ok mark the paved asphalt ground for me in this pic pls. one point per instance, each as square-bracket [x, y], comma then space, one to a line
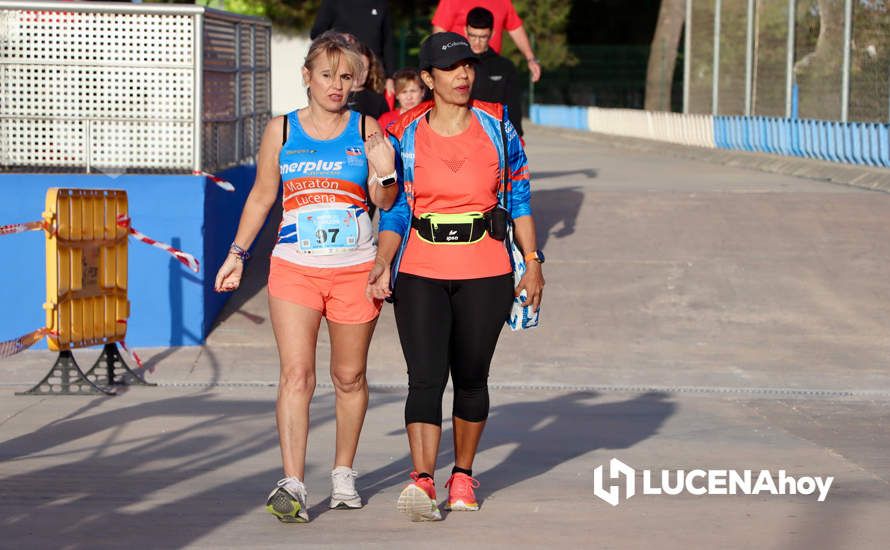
[696, 316]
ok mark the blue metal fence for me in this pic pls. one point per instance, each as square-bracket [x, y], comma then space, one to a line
[863, 143]
[563, 116]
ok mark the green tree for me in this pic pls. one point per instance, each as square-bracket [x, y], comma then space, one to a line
[297, 15]
[545, 21]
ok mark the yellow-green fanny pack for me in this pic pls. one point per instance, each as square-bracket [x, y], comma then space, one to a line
[465, 228]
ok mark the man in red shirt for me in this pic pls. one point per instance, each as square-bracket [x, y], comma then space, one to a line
[451, 16]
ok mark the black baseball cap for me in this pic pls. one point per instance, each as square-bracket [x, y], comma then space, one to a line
[444, 49]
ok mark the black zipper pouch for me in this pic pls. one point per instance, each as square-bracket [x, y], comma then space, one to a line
[498, 219]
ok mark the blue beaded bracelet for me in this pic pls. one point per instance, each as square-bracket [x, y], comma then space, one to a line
[242, 254]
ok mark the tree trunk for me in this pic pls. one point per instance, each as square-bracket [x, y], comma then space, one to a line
[663, 55]
[830, 44]
[818, 73]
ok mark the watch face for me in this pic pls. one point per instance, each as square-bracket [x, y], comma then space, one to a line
[387, 182]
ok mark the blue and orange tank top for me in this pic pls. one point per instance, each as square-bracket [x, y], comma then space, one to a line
[325, 189]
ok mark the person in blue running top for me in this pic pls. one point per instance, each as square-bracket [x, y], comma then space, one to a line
[329, 161]
[444, 239]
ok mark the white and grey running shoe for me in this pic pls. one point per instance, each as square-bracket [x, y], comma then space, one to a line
[343, 493]
[287, 501]
[418, 500]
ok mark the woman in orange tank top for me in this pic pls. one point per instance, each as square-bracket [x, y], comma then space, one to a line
[454, 288]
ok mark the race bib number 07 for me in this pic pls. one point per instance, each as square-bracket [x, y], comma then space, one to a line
[329, 231]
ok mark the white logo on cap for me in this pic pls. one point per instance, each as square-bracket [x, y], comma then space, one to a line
[452, 44]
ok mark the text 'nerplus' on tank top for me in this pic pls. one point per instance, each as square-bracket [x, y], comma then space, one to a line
[325, 222]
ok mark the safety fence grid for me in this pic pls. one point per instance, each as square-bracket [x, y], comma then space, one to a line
[809, 59]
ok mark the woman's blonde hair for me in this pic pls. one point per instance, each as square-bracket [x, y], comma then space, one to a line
[337, 48]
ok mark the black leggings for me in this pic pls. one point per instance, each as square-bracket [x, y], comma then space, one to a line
[449, 325]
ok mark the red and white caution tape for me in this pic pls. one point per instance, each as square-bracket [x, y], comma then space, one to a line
[20, 344]
[184, 257]
[132, 354]
[218, 181]
[135, 357]
[14, 228]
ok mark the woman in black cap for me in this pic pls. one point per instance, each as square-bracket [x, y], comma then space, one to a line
[444, 239]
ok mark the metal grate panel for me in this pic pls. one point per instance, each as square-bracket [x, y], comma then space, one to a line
[219, 144]
[248, 136]
[70, 37]
[149, 145]
[245, 41]
[220, 49]
[263, 58]
[219, 96]
[82, 91]
[42, 142]
[263, 92]
[87, 86]
[247, 90]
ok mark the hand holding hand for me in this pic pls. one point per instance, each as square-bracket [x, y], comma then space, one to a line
[378, 282]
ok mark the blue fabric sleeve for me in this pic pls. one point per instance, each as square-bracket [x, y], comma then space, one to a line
[520, 193]
[398, 218]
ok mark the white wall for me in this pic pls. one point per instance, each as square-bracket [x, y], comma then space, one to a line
[695, 130]
[288, 53]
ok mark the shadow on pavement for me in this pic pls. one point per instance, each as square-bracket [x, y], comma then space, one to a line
[551, 432]
[256, 274]
[180, 276]
[545, 434]
[589, 173]
[150, 366]
[110, 491]
[556, 209]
